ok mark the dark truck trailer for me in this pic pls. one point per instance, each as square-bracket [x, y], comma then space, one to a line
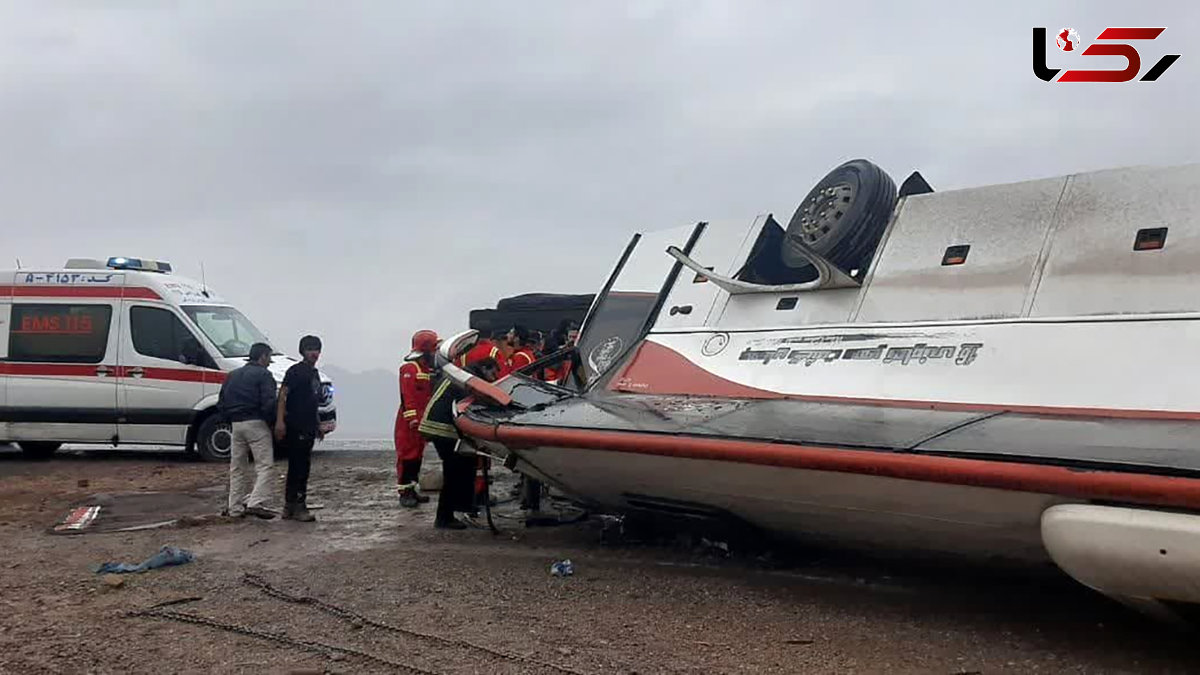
[536, 311]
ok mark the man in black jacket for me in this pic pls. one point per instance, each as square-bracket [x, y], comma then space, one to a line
[297, 426]
[247, 400]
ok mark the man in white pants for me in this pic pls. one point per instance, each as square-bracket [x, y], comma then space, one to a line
[247, 400]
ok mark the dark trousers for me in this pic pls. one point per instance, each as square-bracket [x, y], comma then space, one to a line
[299, 453]
[458, 477]
[410, 471]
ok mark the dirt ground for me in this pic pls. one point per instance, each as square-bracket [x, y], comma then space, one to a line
[471, 602]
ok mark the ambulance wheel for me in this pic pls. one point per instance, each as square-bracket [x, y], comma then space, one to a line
[214, 440]
[39, 449]
[843, 217]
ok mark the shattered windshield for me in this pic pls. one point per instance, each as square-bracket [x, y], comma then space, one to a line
[228, 329]
[530, 394]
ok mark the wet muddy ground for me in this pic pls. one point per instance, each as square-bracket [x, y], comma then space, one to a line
[403, 596]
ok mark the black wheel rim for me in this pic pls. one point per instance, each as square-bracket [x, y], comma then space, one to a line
[823, 209]
[220, 443]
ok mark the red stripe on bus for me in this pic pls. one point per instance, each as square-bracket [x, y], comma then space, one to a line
[656, 369]
[1035, 478]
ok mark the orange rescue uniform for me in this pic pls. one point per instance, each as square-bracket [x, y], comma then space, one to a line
[520, 358]
[416, 389]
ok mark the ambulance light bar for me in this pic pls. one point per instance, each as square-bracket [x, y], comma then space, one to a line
[139, 264]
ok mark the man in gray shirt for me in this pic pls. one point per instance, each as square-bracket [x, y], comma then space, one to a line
[247, 400]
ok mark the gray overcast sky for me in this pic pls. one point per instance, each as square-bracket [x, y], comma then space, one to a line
[365, 169]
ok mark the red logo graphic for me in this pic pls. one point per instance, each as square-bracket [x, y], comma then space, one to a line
[1068, 40]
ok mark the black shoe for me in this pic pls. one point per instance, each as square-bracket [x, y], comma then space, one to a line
[408, 499]
[451, 525]
[422, 499]
[298, 512]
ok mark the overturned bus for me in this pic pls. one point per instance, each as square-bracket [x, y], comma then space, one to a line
[1006, 370]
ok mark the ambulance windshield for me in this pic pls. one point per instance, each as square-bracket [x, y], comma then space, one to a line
[228, 329]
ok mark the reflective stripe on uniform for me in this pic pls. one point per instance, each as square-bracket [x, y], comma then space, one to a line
[432, 428]
[410, 413]
[428, 428]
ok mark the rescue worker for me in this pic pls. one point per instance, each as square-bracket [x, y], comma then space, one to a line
[437, 424]
[555, 343]
[521, 342]
[493, 350]
[416, 388]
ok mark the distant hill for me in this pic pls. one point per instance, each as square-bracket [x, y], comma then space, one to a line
[366, 402]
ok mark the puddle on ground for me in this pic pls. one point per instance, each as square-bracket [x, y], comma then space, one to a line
[130, 511]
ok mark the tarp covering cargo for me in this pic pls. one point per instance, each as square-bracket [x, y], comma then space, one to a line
[537, 311]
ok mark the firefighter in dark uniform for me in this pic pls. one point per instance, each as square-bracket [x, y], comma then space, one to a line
[437, 424]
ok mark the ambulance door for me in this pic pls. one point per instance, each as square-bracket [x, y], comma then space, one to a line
[60, 361]
[162, 374]
[5, 313]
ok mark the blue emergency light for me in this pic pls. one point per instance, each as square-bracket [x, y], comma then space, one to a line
[119, 263]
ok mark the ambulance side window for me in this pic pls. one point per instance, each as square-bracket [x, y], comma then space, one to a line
[158, 333]
[59, 333]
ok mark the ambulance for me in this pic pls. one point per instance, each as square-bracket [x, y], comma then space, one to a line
[122, 352]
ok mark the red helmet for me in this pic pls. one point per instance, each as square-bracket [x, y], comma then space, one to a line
[423, 342]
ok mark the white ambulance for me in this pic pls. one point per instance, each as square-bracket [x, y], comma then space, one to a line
[121, 353]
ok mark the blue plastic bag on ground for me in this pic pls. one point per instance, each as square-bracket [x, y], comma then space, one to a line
[166, 556]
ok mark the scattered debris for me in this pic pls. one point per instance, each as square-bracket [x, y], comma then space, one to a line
[166, 556]
[566, 651]
[562, 568]
[798, 641]
[147, 526]
[78, 519]
[258, 541]
[82, 482]
[113, 580]
[176, 601]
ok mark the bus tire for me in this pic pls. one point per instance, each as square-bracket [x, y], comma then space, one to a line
[843, 217]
